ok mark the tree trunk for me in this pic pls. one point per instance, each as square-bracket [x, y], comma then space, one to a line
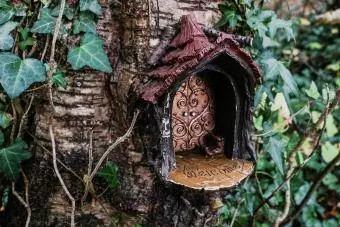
[97, 102]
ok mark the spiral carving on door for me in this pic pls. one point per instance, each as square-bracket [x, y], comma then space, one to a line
[192, 114]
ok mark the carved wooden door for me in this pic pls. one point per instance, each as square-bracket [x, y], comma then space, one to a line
[192, 114]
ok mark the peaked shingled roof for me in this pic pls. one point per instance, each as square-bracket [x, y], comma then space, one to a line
[192, 47]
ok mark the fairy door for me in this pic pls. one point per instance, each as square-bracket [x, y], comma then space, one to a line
[192, 114]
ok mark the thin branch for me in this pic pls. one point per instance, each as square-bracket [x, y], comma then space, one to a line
[24, 202]
[33, 49]
[53, 66]
[114, 145]
[312, 189]
[15, 119]
[56, 170]
[236, 213]
[50, 153]
[321, 119]
[88, 178]
[89, 170]
[36, 88]
[285, 212]
[23, 118]
[45, 48]
[56, 30]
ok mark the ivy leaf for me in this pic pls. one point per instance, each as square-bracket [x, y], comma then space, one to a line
[6, 13]
[17, 75]
[312, 91]
[23, 33]
[85, 23]
[110, 173]
[276, 24]
[46, 23]
[90, 53]
[229, 16]
[268, 42]
[6, 40]
[68, 11]
[276, 68]
[5, 120]
[331, 126]
[11, 157]
[28, 42]
[90, 5]
[330, 151]
[3, 3]
[275, 147]
[58, 79]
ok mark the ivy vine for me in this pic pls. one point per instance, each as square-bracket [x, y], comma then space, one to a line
[23, 24]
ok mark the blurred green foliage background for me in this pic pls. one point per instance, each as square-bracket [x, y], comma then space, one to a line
[296, 114]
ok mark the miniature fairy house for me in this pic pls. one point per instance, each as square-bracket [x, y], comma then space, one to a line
[197, 109]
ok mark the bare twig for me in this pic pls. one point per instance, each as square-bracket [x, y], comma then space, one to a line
[114, 145]
[33, 49]
[286, 207]
[312, 189]
[50, 153]
[36, 88]
[312, 131]
[88, 178]
[59, 176]
[23, 118]
[45, 48]
[24, 202]
[53, 66]
[236, 213]
[15, 119]
[89, 169]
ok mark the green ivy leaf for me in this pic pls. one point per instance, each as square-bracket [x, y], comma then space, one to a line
[17, 75]
[3, 3]
[331, 127]
[5, 120]
[90, 53]
[46, 23]
[332, 182]
[11, 157]
[268, 42]
[276, 24]
[6, 13]
[276, 68]
[90, 5]
[275, 147]
[229, 16]
[23, 33]
[68, 11]
[85, 23]
[330, 151]
[58, 79]
[28, 42]
[312, 91]
[110, 173]
[6, 40]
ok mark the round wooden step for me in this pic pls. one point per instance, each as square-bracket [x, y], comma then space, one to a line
[209, 173]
